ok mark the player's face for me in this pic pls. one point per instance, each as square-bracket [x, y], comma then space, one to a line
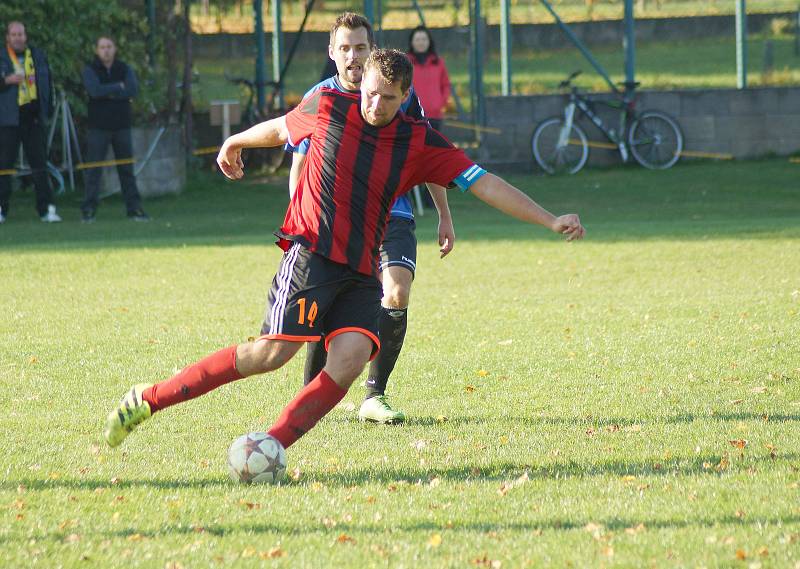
[380, 100]
[16, 37]
[350, 50]
[105, 50]
[420, 42]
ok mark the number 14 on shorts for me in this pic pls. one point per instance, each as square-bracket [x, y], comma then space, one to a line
[310, 316]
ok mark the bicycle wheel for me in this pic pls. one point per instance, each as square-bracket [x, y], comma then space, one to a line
[655, 140]
[558, 152]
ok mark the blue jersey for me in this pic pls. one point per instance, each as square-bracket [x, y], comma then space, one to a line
[412, 108]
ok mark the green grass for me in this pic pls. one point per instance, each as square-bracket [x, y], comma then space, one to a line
[659, 65]
[399, 14]
[569, 404]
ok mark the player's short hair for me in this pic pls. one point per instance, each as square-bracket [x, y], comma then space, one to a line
[104, 37]
[393, 65]
[352, 21]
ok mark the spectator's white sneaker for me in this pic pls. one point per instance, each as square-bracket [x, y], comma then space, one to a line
[2, 217]
[51, 216]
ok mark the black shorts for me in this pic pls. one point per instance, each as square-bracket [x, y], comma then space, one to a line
[399, 247]
[312, 296]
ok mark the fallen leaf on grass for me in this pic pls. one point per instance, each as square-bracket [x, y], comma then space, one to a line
[508, 486]
[435, 540]
[248, 552]
[760, 389]
[250, 505]
[738, 443]
[763, 552]
[486, 562]
[741, 554]
[344, 538]
[273, 553]
[72, 538]
[635, 529]
[736, 401]
[505, 342]
[469, 388]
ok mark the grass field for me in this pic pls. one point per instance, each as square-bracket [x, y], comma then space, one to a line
[631, 400]
[659, 65]
[399, 14]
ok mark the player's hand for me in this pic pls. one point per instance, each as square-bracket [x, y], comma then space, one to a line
[230, 162]
[569, 225]
[15, 79]
[447, 236]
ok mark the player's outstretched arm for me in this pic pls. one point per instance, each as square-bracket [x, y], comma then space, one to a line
[447, 233]
[503, 196]
[263, 135]
[298, 160]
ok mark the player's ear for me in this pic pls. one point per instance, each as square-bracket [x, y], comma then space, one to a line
[406, 95]
[330, 51]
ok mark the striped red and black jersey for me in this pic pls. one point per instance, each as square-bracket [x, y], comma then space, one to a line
[353, 173]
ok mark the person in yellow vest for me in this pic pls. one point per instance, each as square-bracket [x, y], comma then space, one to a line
[25, 107]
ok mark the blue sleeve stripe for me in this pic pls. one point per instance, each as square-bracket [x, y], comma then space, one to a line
[469, 177]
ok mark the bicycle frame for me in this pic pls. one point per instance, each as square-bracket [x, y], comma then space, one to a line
[617, 137]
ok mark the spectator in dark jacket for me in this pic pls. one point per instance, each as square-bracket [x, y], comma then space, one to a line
[25, 107]
[111, 85]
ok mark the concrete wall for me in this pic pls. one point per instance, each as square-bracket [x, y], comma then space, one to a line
[531, 36]
[747, 123]
[164, 173]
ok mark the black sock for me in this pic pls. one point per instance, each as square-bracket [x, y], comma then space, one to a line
[392, 331]
[316, 356]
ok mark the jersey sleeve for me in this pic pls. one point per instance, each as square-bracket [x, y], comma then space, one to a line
[302, 119]
[442, 163]
[413, 107]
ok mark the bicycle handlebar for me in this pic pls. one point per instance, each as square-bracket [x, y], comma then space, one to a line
[566, 82]
[250, 83]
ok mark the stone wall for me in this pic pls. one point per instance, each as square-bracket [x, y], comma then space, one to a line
[743, 123]
[164, 173]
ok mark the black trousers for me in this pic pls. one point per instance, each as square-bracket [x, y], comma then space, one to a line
[122, 144]
[31, 133]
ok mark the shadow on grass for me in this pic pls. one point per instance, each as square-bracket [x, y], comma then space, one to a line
[605, 422]
[711, 465]
[608, 524]
[750, 200]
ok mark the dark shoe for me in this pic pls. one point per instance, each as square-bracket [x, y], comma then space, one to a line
[88, 216]
[138, 215]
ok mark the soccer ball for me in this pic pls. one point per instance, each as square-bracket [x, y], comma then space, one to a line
[256, 458]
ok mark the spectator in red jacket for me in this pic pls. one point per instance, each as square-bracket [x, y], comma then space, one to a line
[431, 82]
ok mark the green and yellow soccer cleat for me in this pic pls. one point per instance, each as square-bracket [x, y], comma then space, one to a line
[131, 411]
[377, 410]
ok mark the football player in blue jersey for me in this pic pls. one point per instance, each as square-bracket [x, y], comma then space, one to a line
[351, 41]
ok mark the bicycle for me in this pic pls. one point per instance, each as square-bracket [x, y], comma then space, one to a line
[269, 158]
[652, 137]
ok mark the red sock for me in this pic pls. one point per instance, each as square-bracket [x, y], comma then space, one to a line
[313, 402]
[195, 380]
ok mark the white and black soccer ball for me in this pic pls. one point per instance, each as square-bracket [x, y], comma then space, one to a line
[257, 458]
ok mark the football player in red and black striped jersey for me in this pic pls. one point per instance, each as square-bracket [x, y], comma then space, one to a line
[363, 154]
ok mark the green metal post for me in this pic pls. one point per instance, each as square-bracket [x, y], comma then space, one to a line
[741, 44]
[260, 50]
[378, 22]
[505, 48]
[151, 33]
[369, 10]
[579, 44]
[476, 36]
[629, 45]
[277, 51]
[419, 12]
